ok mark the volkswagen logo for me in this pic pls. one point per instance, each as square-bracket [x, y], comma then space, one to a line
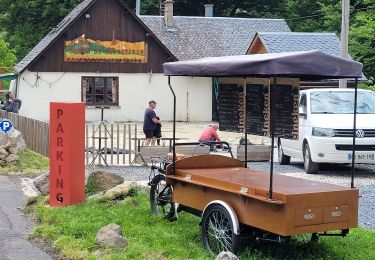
[360, 133]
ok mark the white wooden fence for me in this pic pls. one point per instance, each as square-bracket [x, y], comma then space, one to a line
[110, 143]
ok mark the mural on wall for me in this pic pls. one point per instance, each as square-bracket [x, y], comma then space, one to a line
[88, 50]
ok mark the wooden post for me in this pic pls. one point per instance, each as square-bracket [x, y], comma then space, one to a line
[124, 144]
[106, 144]
[130, 143]
[111, 144]
[135, 139]
[87, 144]
[100, 144]
[118, 143]
[93, 142]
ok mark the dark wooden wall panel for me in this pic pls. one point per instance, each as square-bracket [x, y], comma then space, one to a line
[108, 18]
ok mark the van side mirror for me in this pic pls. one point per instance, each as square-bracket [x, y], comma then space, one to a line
[302, 112]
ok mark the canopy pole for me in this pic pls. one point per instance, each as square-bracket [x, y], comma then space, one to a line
[272, 134]
[174, 125]
[354, 131]
[244, 114]
[245, 148]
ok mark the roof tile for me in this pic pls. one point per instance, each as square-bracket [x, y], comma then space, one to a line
[199, 37]
[296, 41]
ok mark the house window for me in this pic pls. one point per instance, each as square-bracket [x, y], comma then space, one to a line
[100, 91]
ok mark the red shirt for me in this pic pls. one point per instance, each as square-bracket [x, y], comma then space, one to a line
[209, 133]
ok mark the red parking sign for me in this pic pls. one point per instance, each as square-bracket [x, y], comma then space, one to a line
[67, 149]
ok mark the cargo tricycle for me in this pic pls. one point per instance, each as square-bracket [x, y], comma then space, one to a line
[233, 200]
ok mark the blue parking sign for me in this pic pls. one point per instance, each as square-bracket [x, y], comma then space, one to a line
[6, 126]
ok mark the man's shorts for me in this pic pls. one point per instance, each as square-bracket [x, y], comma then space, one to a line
[150, 133]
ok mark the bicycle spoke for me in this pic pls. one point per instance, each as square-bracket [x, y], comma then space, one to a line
[219, 232]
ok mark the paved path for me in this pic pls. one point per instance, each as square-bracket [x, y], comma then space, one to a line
[14, 227]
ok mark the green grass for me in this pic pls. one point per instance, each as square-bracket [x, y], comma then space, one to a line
[72, 231]
[30, 162]
[90, 187]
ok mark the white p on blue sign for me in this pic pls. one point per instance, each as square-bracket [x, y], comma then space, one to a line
[6, 126]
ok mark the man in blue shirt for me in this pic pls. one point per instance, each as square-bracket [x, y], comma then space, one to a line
[149, 123]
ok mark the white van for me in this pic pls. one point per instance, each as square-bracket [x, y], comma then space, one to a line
[326, 129]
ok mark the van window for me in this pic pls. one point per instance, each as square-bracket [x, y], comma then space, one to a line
[342, 102]
[303, 103]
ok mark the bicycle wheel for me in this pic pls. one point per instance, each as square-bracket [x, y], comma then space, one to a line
[218, 230]
[161, 197]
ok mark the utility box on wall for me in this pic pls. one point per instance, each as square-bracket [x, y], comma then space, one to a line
[67, 150]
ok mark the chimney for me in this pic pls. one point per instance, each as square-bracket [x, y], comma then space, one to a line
[138, 7]
[168, 13]
[208, 10]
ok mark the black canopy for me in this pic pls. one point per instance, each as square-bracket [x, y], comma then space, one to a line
[304, 65]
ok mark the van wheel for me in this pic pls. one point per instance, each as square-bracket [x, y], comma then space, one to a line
[283, 159]
[310, 166]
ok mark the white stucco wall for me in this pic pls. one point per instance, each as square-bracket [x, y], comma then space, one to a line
[194, 95]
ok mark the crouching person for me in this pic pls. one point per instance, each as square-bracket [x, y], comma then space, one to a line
[12, 104]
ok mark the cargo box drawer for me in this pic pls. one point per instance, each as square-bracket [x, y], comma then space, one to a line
[308, 216]
[336, 214]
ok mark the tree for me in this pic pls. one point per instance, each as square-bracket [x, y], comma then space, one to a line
[26, 22]
[362, 41]
[325, 16]
[7, 61]
[7, 57]
[231, 8]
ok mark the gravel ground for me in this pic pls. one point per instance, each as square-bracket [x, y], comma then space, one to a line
[334, 174]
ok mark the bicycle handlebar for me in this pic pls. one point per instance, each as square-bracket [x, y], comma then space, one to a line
[206, 143]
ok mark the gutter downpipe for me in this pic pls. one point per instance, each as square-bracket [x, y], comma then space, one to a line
[354, 131]
[174, 125]
[17, 84]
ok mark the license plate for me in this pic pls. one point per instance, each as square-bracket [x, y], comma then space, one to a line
[362, 157]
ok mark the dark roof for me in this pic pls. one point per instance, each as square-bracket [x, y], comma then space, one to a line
[52, 35]
[199, 37]
[191, 37]
[275, 42]
[61, 27]
[302, 64]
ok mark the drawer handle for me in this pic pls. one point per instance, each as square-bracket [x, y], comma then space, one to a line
[336, 213]
[309, 216]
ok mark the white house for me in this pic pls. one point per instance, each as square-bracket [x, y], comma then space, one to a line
[103, 54]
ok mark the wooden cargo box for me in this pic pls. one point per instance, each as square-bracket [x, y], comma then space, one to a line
[298, 206]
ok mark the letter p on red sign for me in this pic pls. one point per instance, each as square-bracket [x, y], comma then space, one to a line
[67, 151]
